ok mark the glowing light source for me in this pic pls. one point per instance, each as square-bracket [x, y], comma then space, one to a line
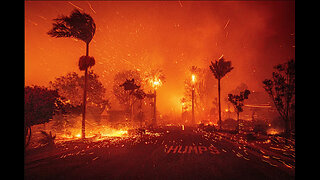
[193, 77]
[155, 82]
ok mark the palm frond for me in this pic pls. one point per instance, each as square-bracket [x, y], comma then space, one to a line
[220, 68]
[78, 25]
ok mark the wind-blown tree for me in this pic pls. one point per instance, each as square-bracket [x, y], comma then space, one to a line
[281, 89]
[80, 26]
[237, 102]
[219, 69]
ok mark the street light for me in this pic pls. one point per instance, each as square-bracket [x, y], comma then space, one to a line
[156, 82]
[193, 80]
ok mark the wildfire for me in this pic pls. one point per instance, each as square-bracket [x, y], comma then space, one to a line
[273, 131]
[115, 133]
[99, 133]
[156, 82]
[155, 78]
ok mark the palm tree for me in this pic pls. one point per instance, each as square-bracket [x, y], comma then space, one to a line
[80, 26]
[220, 69]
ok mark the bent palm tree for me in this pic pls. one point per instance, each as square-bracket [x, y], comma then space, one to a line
[80, 26]
[220, 69]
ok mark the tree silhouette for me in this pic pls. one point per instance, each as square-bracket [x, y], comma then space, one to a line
[129, 85]
[281, 89]
[124, 97]
[135, 91]
[80, 26]
[40, 105]
[220, 69]
[237, 101]
[71, 84]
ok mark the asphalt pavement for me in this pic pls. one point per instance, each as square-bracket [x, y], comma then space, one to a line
[169, 153]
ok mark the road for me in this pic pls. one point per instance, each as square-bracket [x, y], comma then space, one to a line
[171, 153]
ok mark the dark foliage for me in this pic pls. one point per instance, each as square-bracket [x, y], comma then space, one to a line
[237, 100]
[78, 25]
[129, 85]
[281, 89]
[86, 62]
[39, 105]
[220, 68]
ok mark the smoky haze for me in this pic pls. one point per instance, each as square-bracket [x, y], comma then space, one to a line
[172, 36]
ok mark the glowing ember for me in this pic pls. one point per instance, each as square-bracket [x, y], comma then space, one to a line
[98, 134]
[273, 131]
[115, 133]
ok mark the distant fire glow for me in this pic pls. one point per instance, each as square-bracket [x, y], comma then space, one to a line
[172, 36]
[147, 90]
[155, 82]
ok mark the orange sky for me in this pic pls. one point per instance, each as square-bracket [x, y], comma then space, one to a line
[171, 36]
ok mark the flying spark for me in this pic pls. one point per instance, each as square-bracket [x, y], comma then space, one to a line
[226, 24]
[92, 8]
[75, 6]
[180, 3]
